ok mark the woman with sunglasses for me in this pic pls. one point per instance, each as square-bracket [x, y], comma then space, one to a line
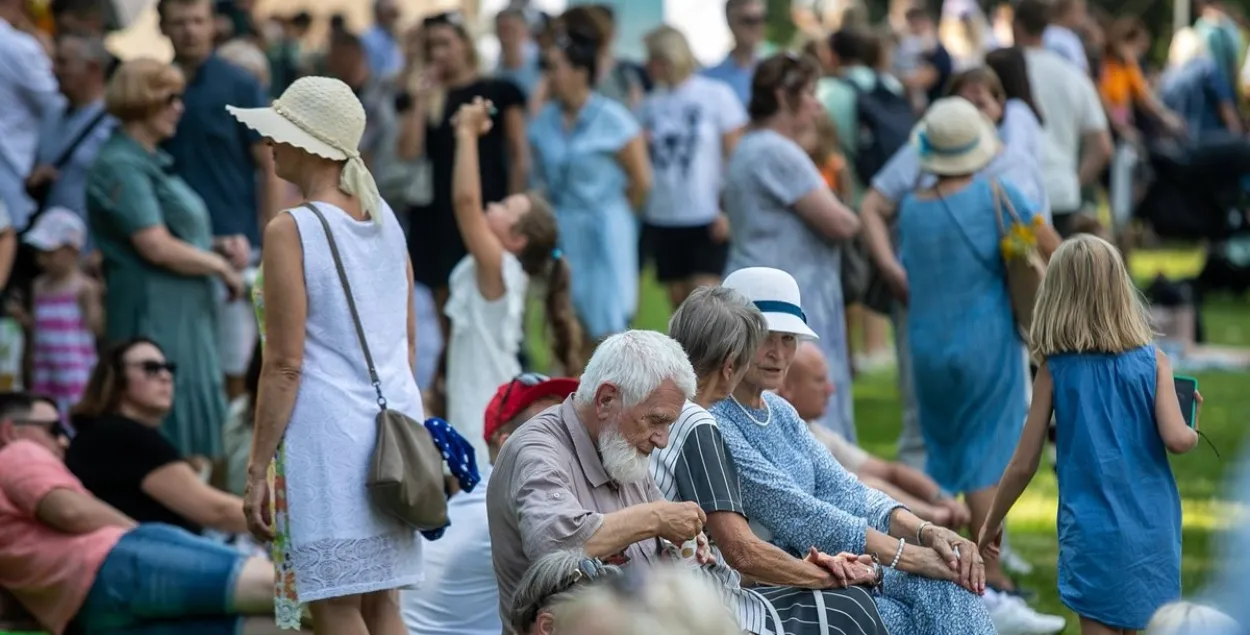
[121, 456]
[161, 263]
[450, 80]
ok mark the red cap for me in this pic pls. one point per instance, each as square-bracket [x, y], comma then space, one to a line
[515, 396]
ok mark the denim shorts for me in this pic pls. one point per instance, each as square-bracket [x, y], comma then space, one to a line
[162, 580]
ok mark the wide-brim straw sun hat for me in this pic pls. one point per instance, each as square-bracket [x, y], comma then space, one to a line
[776, 294]
[321, 116]
[954, 138]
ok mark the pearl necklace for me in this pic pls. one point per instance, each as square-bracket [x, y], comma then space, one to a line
[768, 417]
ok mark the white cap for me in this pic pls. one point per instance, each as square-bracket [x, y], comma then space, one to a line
[776, 295]
[55, 228]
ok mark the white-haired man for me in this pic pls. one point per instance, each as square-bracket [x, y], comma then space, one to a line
[578, 476]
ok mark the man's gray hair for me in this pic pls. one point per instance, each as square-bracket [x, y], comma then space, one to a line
[636, 362]
[716, 325]
[552, 579]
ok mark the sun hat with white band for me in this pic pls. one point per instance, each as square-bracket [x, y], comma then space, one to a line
[776, 294]
[954, 138]
[321, 116]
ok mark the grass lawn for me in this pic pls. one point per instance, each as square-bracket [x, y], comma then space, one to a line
[1031, 526]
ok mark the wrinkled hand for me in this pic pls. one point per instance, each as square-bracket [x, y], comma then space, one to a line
[474, 117]
[961, 555]
[256, 508]
[679, 522]
[847, 569]
[930, 564]
[704, 555]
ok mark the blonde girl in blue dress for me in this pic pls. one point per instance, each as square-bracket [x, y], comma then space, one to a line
[1116, 419]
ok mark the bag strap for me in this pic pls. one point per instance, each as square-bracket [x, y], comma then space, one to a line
[351, 303]
[69, 150]
[963, 233]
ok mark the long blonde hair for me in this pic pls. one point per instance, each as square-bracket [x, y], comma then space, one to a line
[1087, 303]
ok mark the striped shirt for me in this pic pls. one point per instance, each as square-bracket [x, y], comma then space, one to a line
[695, 467]
[64, 350]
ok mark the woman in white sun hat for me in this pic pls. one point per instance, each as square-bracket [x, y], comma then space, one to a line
[967, 364]
[798, 497]
[315, 414]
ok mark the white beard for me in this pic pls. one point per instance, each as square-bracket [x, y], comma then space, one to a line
[621, 460]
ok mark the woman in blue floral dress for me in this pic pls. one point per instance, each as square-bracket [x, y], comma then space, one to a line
[799, 497]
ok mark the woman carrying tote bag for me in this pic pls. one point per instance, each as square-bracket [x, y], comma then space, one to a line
[317, 413]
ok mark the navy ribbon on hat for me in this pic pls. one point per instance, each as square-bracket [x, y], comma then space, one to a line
[926, 147]
[777, 306]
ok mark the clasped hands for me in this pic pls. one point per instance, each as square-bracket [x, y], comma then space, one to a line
[847, 569]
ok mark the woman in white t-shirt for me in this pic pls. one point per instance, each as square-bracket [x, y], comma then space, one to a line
[692, 123]
[511, 241]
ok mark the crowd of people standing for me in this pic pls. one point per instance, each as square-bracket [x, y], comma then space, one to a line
[189, 389]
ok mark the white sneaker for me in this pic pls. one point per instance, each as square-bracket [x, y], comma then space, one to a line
[1011, 616]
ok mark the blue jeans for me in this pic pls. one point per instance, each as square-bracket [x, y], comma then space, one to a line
[162, 580]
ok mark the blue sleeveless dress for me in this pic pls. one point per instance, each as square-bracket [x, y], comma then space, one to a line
[1119, 510]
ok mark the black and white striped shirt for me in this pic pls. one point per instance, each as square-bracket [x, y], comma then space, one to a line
[695, 467]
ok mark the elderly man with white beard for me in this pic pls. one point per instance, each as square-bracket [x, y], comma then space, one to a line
[577, 476]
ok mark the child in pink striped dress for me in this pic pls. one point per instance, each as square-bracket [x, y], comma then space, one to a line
[68, 314]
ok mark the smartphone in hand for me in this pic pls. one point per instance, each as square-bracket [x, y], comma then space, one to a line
[1185, 389]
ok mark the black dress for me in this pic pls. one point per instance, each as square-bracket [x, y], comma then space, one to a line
[434, 238]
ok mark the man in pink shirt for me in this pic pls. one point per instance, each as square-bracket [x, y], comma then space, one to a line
[78, 564]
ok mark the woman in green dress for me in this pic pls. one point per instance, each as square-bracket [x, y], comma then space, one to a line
[160, 266]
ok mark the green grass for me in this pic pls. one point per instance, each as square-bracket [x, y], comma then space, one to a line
[1031, 526]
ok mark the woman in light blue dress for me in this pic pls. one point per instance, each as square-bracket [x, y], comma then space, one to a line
[967, 369]
[783, 215]
[591, 159]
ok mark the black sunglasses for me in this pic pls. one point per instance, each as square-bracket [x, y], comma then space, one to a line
[152, 368]
[55, 427]
[525, 379]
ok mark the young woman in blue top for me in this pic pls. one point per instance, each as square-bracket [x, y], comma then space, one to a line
[1116, 418]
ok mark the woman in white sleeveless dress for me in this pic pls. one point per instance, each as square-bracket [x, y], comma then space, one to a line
[317, 406]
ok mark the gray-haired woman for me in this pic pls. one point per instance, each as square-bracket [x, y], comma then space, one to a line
[549, 583]
[720, 329]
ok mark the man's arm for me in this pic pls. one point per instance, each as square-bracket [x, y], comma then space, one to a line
[908, 479]
[78, 513]
[1096, 145]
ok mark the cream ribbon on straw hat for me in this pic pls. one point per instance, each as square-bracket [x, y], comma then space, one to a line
[321, 116]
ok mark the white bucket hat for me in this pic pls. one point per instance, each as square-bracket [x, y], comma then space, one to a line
[954, 138]
[321, 116]
[776, 295]
[55, 228]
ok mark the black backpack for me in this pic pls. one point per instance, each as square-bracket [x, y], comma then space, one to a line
[885, 119]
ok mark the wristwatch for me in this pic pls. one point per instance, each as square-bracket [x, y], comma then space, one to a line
[878, 571]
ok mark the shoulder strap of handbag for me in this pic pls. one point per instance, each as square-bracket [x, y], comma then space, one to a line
[963, 233]
[351, 303]
[69, 150]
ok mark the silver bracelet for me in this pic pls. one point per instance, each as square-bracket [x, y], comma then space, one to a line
[920, 532]
[898, 555]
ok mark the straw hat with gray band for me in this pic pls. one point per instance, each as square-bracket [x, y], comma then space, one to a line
[954, 138]
[321, 116]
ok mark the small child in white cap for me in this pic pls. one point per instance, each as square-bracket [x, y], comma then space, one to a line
[67, 309]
